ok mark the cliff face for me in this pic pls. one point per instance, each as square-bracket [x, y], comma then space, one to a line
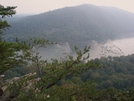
[12, 88]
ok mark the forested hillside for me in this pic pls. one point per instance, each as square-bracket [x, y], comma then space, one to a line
[118, 72]
[71, 24]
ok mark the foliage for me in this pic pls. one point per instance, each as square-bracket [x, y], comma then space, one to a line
[118, 72]
[18, 71]
[5, 11]
[8, 51]
[11, 54]
[54, 76]
[58, 80]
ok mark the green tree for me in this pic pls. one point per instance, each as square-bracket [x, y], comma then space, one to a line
[54, 78]
[5, 12]
[9, 52]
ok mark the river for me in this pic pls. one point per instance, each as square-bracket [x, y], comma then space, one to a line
[110, 48]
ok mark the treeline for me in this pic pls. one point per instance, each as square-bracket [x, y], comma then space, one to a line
[117, 72]
[113, 81]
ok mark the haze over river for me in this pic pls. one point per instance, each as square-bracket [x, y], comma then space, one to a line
[110, 48]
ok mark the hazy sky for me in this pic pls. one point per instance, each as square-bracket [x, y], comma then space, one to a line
[40, 6]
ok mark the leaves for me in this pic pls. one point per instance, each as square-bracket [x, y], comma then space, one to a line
[5, 12]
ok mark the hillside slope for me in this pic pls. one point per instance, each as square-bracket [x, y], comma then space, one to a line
[84, 22]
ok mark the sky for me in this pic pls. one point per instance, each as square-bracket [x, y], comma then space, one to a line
[40, 6]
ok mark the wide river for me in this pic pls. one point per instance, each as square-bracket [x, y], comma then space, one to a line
[110, 48]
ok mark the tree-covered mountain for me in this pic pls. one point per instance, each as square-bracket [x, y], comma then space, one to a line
[84, 22]
[16, 17]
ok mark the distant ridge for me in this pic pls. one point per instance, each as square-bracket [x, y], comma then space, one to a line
[78, 23]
